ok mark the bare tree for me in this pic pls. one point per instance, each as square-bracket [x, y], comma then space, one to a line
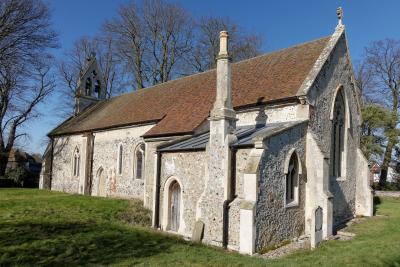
[206, 47]
[74, 63]
[152, 39]
[382, 63]
[158, 41]
[364, 79]
[127, 28]
[25, 76]
[169, 36]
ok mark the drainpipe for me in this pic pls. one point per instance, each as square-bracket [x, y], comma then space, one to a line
[157, 195]
[88, 185]
[51, 161]
[228, 201]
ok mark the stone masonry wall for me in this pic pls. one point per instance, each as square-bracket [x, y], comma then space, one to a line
[274, 221]
[337, 71]
[234, 207]
[188, 168]
[63, 178]
[106, 147]
[273, 114]
[105, 154]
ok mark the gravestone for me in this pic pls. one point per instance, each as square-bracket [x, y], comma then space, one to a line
[198, 230]
[316, 234]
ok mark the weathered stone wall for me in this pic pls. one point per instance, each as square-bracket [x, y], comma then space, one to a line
[337, 71]
[242, 156]
[272, 113]
[234, 207]
[63, 178]
[105, 156]
[188, 168]
[274, 221]
[150, 169]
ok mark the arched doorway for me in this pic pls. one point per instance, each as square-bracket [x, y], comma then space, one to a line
[101, 186]
[174, 206]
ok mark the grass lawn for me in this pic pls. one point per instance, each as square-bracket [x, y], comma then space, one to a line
[56, 229]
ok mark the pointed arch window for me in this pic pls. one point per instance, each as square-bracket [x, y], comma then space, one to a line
[139, 161]
[88, 86]
[338, 136]
[292, 172]
[76, 162]
[97, 87]
[120, 159]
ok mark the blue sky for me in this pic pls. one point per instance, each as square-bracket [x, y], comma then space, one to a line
[280, 23]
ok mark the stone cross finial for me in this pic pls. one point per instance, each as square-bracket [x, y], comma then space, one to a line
[339, 13]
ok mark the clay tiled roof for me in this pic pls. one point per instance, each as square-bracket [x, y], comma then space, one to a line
[179, 106]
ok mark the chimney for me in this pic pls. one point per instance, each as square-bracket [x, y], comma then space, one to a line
[223, 101]
[213, 211]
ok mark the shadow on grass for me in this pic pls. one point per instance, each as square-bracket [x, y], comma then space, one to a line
[377, 202]
[68, 243]
[395, 262]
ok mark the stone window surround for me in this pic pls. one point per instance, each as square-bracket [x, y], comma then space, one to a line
[295, 202]
[100, 171]
[340, 88]
[134, 165]
[120, 156]
[76, 162]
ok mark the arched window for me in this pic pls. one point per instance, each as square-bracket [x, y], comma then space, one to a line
[76, 162]
[97, 87]
[338, 135]
[88, 86]
[120, 159]
[292, 180]
[139, 161]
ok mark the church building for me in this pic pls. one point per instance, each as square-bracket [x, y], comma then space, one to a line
[244, 156]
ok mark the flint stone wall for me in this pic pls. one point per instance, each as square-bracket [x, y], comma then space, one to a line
[274, 221]
[63, 178]
[188, 168]
[337, 71]
[105, 156]
[234, 207]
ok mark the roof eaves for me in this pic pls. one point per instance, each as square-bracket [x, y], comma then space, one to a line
[111, 127]
[268, 133]
[168, 134]
[80, 116]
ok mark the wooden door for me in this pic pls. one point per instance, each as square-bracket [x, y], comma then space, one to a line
[175, 199]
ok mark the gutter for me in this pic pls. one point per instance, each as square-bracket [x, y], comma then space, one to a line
[100, 129]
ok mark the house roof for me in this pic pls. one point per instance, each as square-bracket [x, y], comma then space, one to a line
[181, 105]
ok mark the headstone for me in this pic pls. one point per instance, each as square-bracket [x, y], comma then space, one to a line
[198, 230]
[316, 235]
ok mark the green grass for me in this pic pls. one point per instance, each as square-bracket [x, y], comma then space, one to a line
[56, 229]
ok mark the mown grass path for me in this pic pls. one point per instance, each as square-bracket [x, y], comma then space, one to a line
[41, 228]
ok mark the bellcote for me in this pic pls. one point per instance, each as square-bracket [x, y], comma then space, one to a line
[90, 86]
